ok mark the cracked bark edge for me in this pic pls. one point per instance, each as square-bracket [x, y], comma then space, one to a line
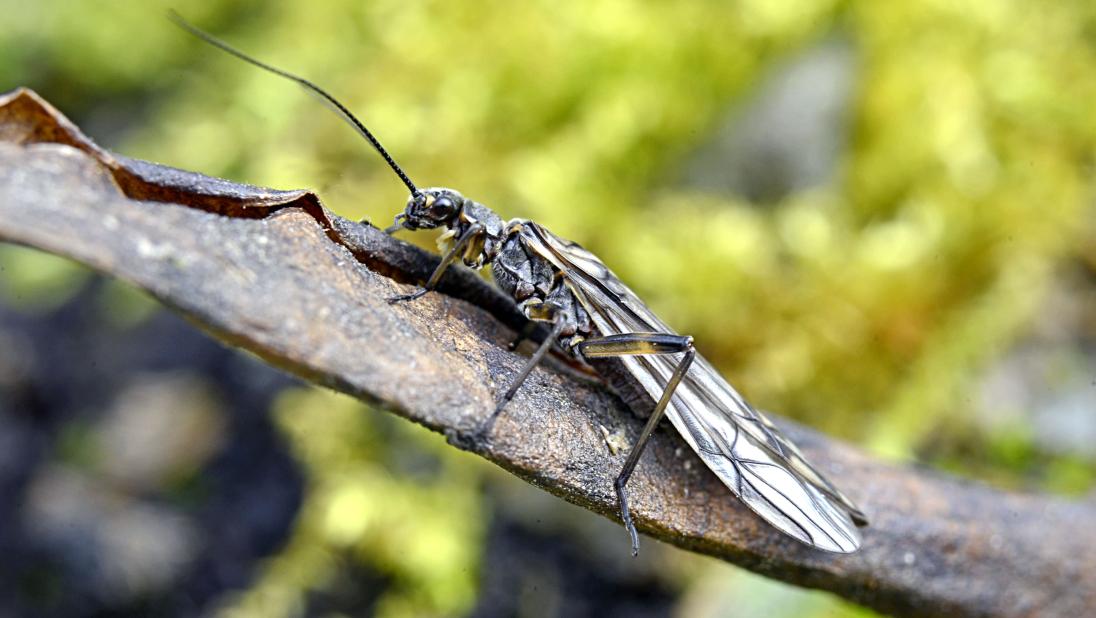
[275, 273]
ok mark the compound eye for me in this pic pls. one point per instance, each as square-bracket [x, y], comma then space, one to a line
[442, 207]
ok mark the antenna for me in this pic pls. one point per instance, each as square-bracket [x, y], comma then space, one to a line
[337, 107]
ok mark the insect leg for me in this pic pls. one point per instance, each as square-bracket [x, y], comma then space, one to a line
[549, 312]
[637, 344]
[526, 333]
[451, 255]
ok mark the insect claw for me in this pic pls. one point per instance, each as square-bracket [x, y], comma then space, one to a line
[405, 297]
[481, 434]
[632, 533]
[626, 518]
[489, 424]
[498, 410]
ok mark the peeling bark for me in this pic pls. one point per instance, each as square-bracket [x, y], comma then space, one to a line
[275, 273]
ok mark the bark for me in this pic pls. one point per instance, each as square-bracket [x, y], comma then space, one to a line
[275, 273]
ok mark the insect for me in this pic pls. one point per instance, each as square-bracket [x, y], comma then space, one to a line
[594, 315]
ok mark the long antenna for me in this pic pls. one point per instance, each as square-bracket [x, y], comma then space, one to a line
[337, 107]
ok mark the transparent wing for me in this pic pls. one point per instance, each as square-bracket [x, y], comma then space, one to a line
[762, 467]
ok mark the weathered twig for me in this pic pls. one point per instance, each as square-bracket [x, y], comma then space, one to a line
[275, 273]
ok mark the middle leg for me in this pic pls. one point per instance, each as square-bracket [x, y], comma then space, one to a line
[542, 312]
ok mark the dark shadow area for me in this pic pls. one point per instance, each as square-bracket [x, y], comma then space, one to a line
[98, 516]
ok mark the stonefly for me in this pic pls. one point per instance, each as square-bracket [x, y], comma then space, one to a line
[593, 315]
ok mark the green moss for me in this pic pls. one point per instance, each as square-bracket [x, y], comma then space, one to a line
[868, 305]
[423, 535]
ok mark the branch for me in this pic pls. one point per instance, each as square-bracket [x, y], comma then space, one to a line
[277, 274]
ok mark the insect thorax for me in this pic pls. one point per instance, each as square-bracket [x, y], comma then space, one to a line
[536, 284]
[518, 268]
[483, 248]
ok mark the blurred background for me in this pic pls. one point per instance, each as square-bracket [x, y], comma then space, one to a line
[875, 218]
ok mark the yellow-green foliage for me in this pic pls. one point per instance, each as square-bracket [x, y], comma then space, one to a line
[380, 492]
[866, 305]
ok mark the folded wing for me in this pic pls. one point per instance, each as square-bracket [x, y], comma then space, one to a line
[762, 467]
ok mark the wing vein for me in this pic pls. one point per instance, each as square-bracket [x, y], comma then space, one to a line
[731, 437]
